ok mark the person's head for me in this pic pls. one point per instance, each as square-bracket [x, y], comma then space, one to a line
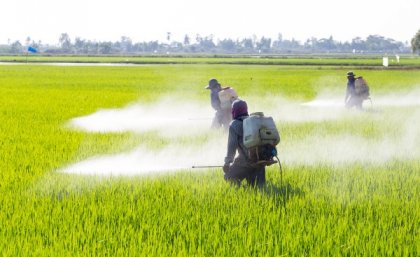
[213, 84]
[350, 75]
[239, 108]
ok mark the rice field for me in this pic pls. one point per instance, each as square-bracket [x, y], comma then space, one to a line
[351, 180]
[406, 61]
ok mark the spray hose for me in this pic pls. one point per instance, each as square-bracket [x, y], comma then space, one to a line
[274, 154]
[281, 171]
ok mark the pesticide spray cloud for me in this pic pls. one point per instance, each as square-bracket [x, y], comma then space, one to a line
[143, 161]
[175, 119]
[293, 112]
[347, 148]
[171, 118]
[398, 110]
[401, 99]
[168, 117]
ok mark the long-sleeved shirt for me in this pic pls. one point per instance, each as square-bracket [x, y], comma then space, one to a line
[235, 142]
[214, 98]
[351, 89]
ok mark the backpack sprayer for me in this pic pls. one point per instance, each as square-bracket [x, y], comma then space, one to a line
[362, 89]
[260, 137]
[226, 96]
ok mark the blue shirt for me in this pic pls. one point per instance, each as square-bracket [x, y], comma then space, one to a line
[214, 98]
[351, 89]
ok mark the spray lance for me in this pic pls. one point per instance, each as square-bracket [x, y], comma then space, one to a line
[206, 167]
[267, 163]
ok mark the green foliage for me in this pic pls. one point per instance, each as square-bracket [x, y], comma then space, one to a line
[321, 210]
[415, 42]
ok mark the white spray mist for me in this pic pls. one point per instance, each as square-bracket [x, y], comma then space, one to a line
[176, 119]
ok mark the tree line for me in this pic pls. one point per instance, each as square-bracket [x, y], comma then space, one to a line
[208, 45]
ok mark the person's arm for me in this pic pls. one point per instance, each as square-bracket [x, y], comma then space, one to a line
[215, 101]
[231, 146]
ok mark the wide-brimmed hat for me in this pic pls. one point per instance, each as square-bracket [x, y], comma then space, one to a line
[350, 74]
[212, 84]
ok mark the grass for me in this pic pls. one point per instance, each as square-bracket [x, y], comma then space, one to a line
[406, 61]
[356, 209]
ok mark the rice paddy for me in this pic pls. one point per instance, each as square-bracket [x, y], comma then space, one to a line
[351, 180]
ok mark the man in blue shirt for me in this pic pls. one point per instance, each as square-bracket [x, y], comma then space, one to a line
[352, 99]
[222, 117]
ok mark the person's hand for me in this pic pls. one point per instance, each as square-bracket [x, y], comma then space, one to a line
[226, 168]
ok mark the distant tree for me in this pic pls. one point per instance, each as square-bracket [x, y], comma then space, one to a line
[277, 44]
[377, 43]
[207, 43]
[264, 44]
[35, 44]
[310, 44]
[79, 44]
[198, 38]
[86, 46]
[105, 47]
[227, 45]
[28, 41]
[151, 46]
[94, 47]
[280, 37]
[290, 45]
[65, 41]
[415, 43]
[126, 44]
[358, 44]
[16, 47]
[186, 40]
[247, 43]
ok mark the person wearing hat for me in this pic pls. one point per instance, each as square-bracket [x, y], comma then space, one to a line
[352, 99]
[240, 168]
[222, 116]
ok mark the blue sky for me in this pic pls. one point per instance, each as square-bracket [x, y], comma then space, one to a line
[108, 20]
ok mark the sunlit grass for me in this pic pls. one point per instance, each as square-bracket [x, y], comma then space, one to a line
[357, 209]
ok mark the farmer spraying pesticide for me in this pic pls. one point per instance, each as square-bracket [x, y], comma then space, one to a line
[221, 101]
[254, 137]
[357, 91]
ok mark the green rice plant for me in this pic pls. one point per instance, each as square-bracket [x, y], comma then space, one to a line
[365, 207]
